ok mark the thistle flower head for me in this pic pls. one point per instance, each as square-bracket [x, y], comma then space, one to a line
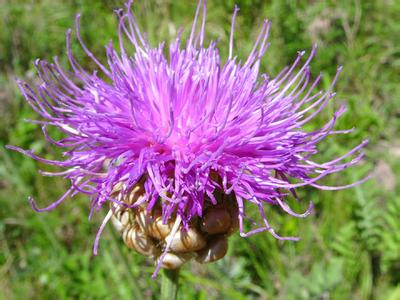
[186, 124]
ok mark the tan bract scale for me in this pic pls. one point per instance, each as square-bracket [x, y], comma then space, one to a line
[152, 224]
[174, 261]
[135, 239]
[187, 241]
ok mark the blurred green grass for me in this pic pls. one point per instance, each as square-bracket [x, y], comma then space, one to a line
[349, 249]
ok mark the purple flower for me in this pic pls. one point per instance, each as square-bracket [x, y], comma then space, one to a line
[185, 123]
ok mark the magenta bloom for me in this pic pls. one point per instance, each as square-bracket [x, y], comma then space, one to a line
[178, 118]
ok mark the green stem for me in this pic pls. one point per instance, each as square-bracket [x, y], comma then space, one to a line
[169, 284]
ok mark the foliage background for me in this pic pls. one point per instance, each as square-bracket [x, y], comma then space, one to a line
[350, 246]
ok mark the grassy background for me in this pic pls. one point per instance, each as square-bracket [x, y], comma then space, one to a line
[350, 247]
